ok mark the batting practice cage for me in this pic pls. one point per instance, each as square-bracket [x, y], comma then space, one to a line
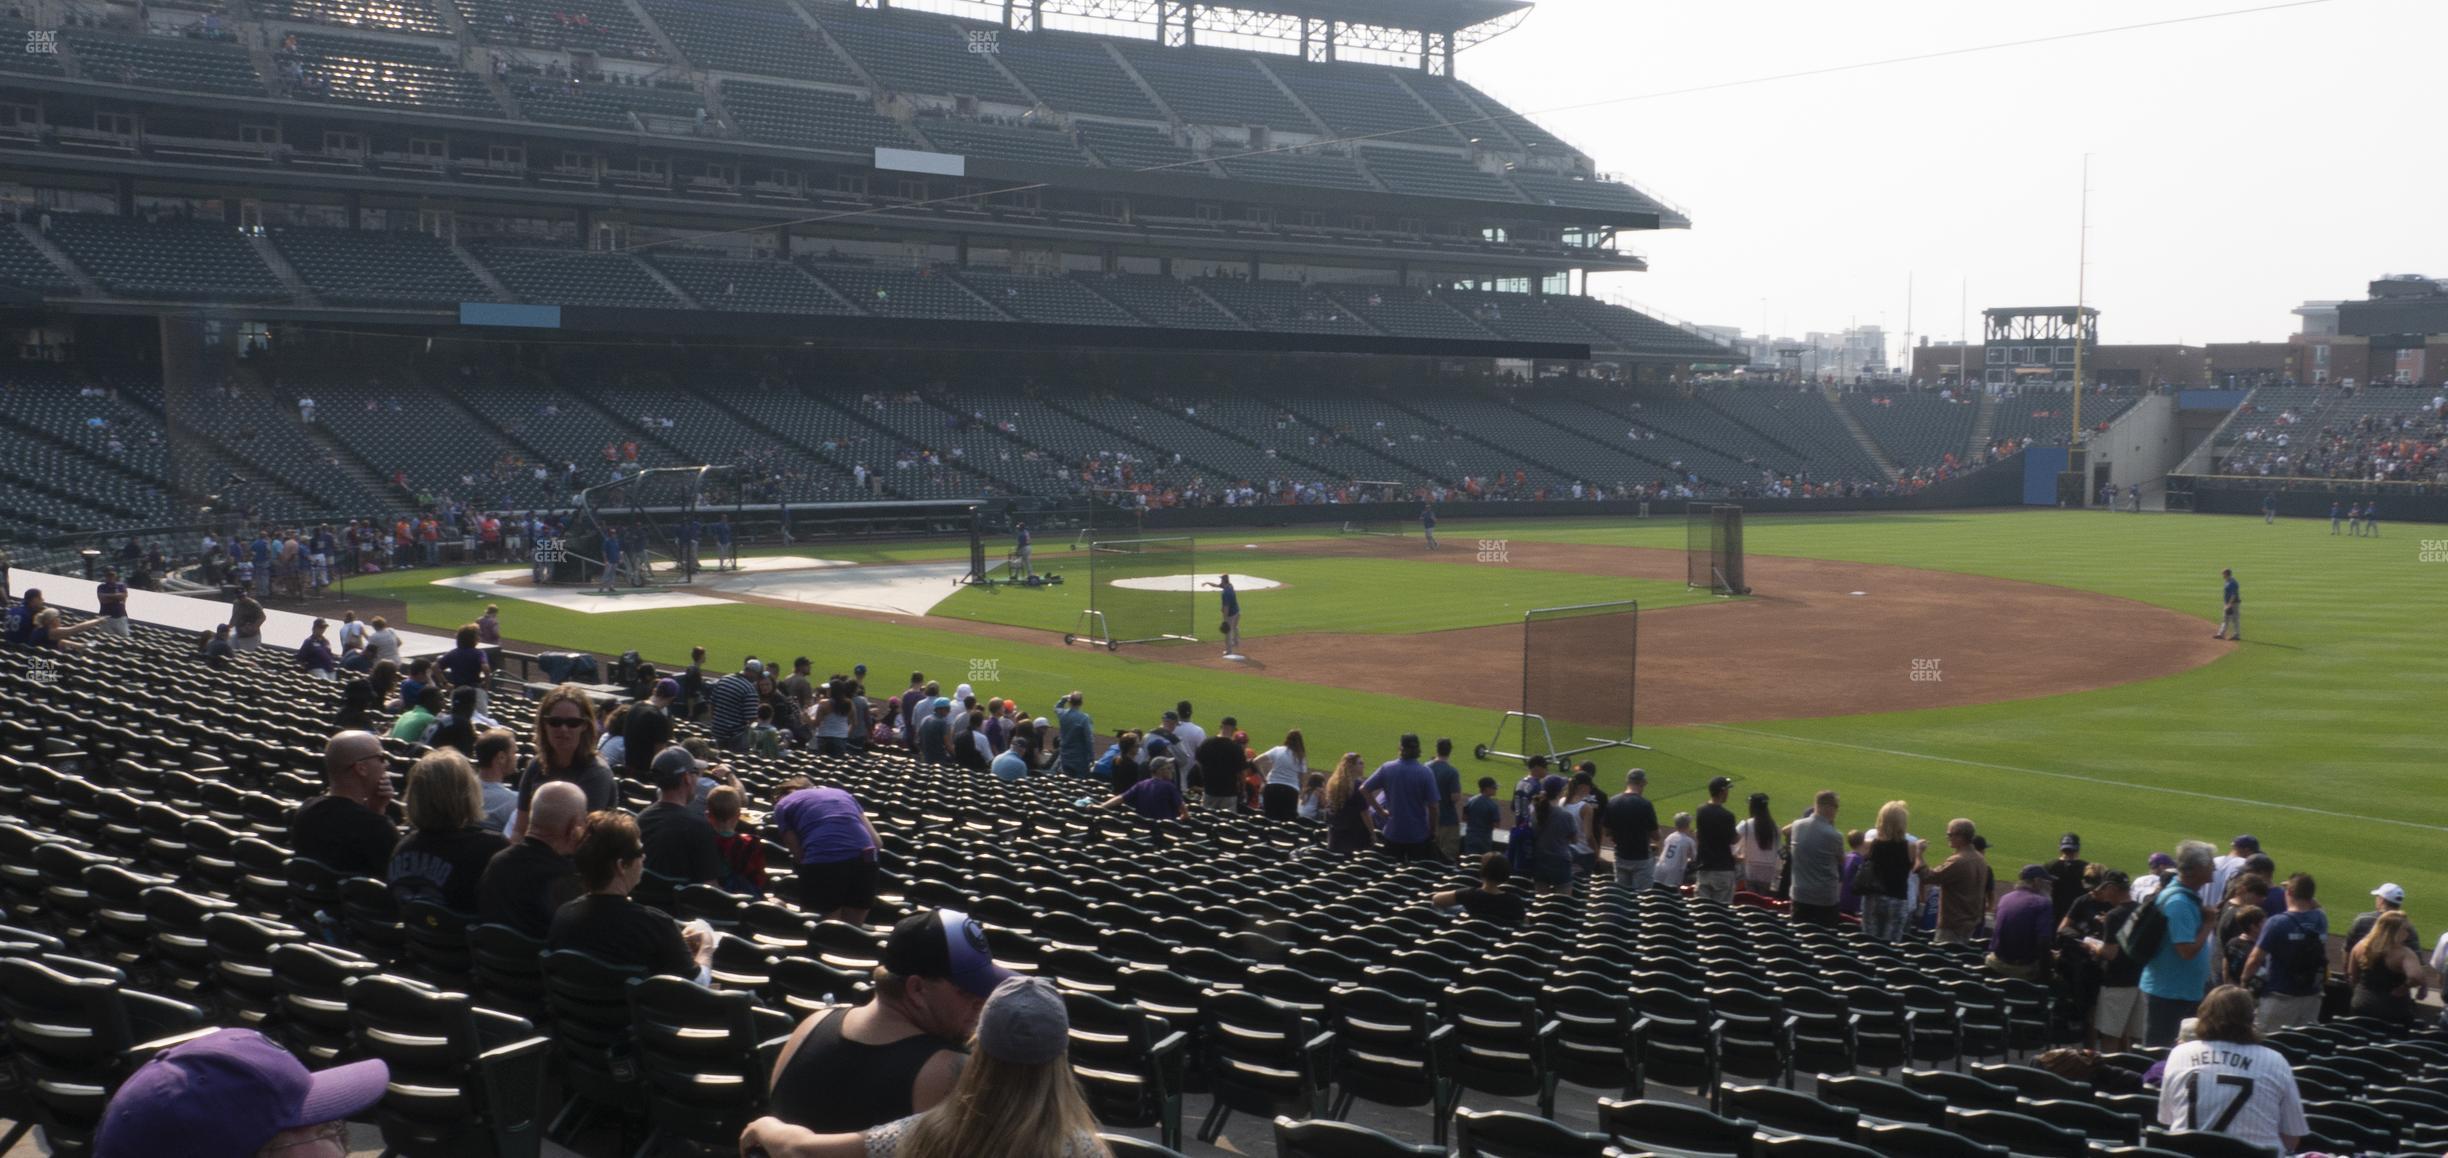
[1579, 669]
[1140, 591]
[1714, 548]
[663, 521]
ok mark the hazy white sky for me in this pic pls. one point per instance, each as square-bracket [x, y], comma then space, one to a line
[2239, 166]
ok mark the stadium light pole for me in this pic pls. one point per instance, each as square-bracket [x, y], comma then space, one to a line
[2082, 270]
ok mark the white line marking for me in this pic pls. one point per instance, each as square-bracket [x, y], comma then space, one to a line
[2076, 776]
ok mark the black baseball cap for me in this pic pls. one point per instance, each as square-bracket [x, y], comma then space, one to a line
[1720, 783]
[944, 945]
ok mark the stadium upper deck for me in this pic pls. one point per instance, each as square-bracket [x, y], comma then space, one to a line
[627, 122]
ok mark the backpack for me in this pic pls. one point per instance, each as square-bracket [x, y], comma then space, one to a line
[2145, 933]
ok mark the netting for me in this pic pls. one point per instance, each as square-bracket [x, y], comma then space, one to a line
[1579, 668]
[663, 534]
[1713, 548]
[1143, 590]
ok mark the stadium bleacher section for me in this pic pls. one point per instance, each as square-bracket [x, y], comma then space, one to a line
[167, 62]
[1401, 310]
[361, 70]
[165, 258]
[1211, 87]
[1074, 73]
[810, 118]
[22, 264]
[2373, 433]
[1918, 428]
[569, 101]
[917, 53]
[601, 26]
[1008, 142]
[1359, 101]
[1136, 147]
[1281, 305]
[416, 17]
[364, 267]
[1325, 170]
[1033, 298]
[145, 846]
[1162, 301]
[761, 284]
[754, 36]
[903, 293]
[1435, 174]
[570, 276]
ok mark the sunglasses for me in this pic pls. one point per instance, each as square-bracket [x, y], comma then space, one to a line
[565, 721]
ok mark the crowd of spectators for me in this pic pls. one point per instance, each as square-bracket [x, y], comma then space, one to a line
[2318, 442]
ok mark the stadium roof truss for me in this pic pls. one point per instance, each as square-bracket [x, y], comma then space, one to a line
[1423, 34]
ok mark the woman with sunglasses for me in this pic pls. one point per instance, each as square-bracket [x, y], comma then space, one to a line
[564, 750]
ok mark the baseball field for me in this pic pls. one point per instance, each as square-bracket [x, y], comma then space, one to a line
[2036, 671]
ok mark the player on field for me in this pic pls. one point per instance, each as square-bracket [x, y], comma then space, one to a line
[1020, 550]
[2269, 507]
[2231, 617]
[2354, 521]
[2371, 518]
[2337, 514]
[1232, 615]
[1428, 524]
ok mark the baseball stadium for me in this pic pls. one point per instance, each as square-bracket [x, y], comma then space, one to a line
[925, 430]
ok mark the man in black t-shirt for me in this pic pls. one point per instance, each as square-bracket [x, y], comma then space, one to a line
[1489, 900]
[1631, 822]
[679, 840]
[1713, 825]
[2066, 874]
[1220, 760]
[526, 883]
[349, 827]
[647, 729]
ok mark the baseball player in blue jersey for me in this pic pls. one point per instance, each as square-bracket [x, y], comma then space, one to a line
[2371, 518]
[2269, 507]
[1232, 615]
[1020, 550]
[2354, 521]
[1428, 524]
[2337, 514]
[2231, 619]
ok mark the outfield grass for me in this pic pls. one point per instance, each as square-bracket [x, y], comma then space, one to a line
[2312, 736]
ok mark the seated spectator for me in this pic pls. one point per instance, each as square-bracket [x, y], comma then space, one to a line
[447, 846]
[1489, 900]
[2225, 1079]
[349, 827]
[2019, 946]
[526, 883]
[679, 842]
[900, 1053]
[419, 674]
[564, 745]
[48, 632]
[314, 657]
[764, 738]
[457, 727]
[233, 1093]
[833, 850]
[218, 645]
[1015, 1098]
[1013, 764]
[496, 760]
[609, 926]
[1313, 797]
[742, 853]
[417, 723]
[2387, 976]
[1157, 797]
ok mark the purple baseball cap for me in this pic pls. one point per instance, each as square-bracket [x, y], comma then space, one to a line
[947, 945]
[225, 1095]
[2161, 860]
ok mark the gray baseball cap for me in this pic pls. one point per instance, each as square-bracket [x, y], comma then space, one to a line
[672, 765]
[1024, 1023]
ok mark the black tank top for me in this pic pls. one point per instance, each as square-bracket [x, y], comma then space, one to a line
[834, 1085]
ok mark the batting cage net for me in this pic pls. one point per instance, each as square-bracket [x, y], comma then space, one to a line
[662, 527]
[1713, 554]
[1580, 665]
[1140, 591]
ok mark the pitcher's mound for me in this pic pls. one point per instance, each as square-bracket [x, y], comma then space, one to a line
[1191, 583]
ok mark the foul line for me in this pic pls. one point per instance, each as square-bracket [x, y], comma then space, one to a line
[2077, 777]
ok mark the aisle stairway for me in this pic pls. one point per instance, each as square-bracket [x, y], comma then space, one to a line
[1869, 445]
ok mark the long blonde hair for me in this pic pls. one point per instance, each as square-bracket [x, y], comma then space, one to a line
[1007, 1110]
[2386, 936]
[1893, 818]
[1345, 781]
